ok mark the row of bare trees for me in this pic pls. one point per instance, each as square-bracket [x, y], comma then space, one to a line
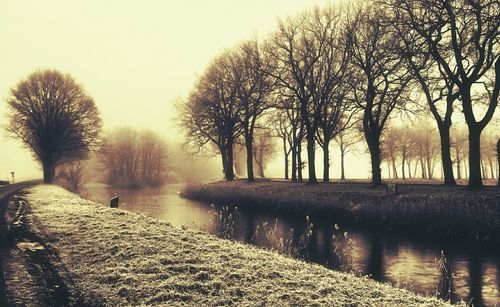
[416, 150]
[325, 70]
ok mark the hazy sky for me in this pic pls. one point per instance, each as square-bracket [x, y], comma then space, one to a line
[135, 58]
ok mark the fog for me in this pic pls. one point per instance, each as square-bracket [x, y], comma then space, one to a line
[135, 60]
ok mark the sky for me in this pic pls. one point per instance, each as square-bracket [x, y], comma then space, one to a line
[135, 58]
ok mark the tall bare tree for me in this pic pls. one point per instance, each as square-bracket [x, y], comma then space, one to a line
[253, 89]
[283, 129]
[212, 113]
[381, 81]
[54, 117]
[296, 48]
[331, 96]
[347, 139]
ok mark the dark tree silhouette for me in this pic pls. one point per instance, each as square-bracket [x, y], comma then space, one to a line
[296, 48]
[253, 88]
[54, 117]
[462, 37]
[212, 113]
[438, 90]
[381, 81]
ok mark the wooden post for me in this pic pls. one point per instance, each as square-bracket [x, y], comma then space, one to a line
[392, 189]
[114, 202]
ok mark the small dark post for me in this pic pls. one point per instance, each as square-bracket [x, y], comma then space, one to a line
[392, 189]
[114, 202]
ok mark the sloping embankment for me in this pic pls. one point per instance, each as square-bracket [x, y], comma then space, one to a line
[120, 258]
[435, 210]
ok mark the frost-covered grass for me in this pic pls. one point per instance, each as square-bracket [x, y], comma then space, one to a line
[118, 258]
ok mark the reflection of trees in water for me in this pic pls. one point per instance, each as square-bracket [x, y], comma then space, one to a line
[475, 279]
[375, 266]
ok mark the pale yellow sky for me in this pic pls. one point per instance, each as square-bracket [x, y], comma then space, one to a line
[134, 57]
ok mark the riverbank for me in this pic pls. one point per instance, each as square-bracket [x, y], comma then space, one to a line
[115, 257]
[448, 213]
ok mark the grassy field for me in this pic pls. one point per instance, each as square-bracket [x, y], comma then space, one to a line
[117, 258]
[445, 212]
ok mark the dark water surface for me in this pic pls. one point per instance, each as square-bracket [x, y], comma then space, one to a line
[402, 260]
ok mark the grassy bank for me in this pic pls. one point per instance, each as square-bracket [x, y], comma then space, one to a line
[445, 212]
[116, 258]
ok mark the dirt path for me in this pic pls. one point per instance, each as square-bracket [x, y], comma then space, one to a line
[28, 274]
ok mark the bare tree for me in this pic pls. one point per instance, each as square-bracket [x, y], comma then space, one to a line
[264, 149]
[459, 148]
[253, 88]
[389, 143]
[283, 129]
[53, 116]
[331, 95]
[72, 175]
[347, 139]
[134, 158]
[212, 113]
[381, 81]
[296, 48]
[488, 153]
[462, 37]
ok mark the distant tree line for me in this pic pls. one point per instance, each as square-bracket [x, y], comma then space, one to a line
[328, 73]
[133, 158]
[414, 152]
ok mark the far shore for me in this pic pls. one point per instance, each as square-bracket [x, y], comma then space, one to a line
[420, 207]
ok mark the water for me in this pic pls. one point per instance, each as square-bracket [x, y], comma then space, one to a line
[402, 260]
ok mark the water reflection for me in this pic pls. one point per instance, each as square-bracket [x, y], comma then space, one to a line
[398, 259]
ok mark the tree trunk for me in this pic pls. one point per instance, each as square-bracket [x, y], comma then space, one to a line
[249, 147]
[294, 163]
[229, 166]
[286, 154]
[498, 164]
[342, 169]
[311, 166]
[403, 165]
[484, 173]
[422, 167]
[259, 160]
[415, 169]
[447, 164]
[373, 142]
[326, 161]
[299, 162]
[49, 170]
[492, 170]
[430, 169]
[394, 168]
[475, 179]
